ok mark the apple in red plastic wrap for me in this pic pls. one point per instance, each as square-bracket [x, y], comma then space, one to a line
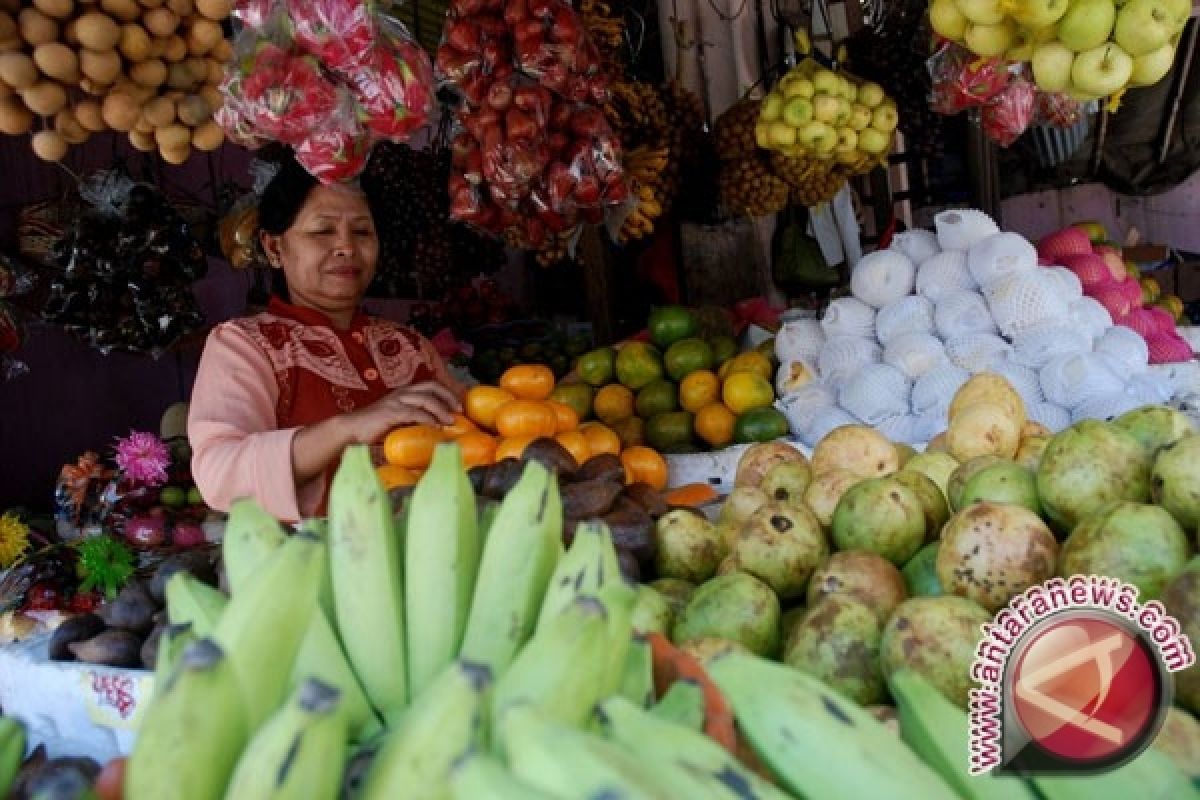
[339, 33]
[552, 46]
[1009, 113]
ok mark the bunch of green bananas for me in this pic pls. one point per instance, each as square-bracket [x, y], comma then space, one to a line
[12, 751]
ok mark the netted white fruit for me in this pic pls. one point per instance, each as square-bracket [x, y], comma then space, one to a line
[799, 340]
[843, 356]
[848, 316]
[911, 314]
[977, 352]
[1106, 407]
[928, 425]
[1023, 379]
[1089, 316]
[1126, 346]
[1000, 256]
[883, 277]
[1184, 377]
[1024, 301]
[902, 428]
[876, 392]
[824, 422]
[1067, 282]
[1054, 417]
[1072, 379]
[961, 228]
[801, 406]
[791, 375]
[934, 390]
[943, 274]
[914, 354]
[1036, 348]
[1150, 388]
[960, 313]
[918, 244]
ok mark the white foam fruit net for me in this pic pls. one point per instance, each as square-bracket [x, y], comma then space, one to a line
[977, 352]
[848, 316]
[1089, 316]
[933, 391]
[1000, 256]
[1054, 417]
[961, 228]
[1072, 379]
[801, 405]
[882, 277]
[1036, 348]
[842, 356]
[1023, 379]
[1068, 283]
[944, 273]
[824, 422]
[928, 425]
[1106, 407]
[959, 313]
[918, 244]
[799, 340]
[1024, 301]
[1126, 346]
[1151, 388]
[911, 314]
[877, 392]
[914, 354]
[900, 428]
[1184, 377]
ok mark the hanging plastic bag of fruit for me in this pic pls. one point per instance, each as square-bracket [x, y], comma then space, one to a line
[1009, 113]
[259, 15]
[393, 84]
[337, 149]
[586, 173]
[338, 33]
[552, 45]
[476, 49]
[1058, 109]
[963, 80]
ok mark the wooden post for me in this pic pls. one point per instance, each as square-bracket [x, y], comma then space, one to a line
[597, 283]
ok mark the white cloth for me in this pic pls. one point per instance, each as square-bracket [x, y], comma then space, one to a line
[918, 244]
[960, 228]
[875, 393]
[944, 273]
[883, 277]
[843, 356]
[934, 390]
[1054, 417]
[1000, 256]
[848, 316]
[960, 313]
[799, 340]
[914, 354]
[1071, 380]
[977, 352]
[1025, 300]
[1037, 347]
[911, 314]
[1126, 346]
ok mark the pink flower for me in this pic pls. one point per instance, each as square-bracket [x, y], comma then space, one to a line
[143, 458]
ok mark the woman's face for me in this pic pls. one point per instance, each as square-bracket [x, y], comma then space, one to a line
[329, 253]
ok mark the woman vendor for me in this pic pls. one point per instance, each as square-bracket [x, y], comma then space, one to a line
[281, 394]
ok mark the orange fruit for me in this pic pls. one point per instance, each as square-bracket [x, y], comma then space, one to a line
[478, 448]
[528, 381]
[601, 438]
[512, 446]
[613, 403]
[482, 403]
[526, 418]
[714, 424]
[575, 443]
[412, 446]
[460, 426]
[568, 420]
[393, 477]
[643, 465]
[698, 390]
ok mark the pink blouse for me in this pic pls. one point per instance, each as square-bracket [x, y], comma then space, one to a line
[263, 378]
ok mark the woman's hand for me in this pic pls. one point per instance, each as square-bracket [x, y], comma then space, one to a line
[427, 403]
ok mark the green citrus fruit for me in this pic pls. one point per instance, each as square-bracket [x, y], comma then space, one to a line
[760, 425]
[638, 364]
[670, 432]
[687, 356]
[669, 324]
[596, 368]
[657, 397]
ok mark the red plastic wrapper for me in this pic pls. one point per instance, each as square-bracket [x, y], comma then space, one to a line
[963, 80]
[475, 52]
[1010, 113]
[258, 15]
[338, 149]
[339, 33]
[552, 45]
[586, 172]
[1058, 109]
[394, 86]
[276, 94]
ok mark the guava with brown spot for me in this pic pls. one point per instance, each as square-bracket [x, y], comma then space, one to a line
[1006, 482]
[738, 607]
[1156, 427]
[992, 551]
[826, 490]
[1029, 453]
[785, 483]
[1136, 543]
[1176, 480]
[1182, 601]
[687, 547]
[861, 449]
[651, 612]
[936, 637]
[1089, 466]
[938, 467]
[758, 459]
[868, 577]
[708, 648]
[781, 546]
[964, 472]
[882, 516]
[933, 502]
[677, 593]
[838, 641]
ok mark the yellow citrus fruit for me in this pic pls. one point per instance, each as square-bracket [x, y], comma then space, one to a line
[698, 390]
[601, 438]
[714, 424]
[394, 477]
[482, 402]
[744, 391]
[613, 403]
[750, 361]
[575, 443]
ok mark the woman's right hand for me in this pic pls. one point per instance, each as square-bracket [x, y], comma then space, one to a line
[427, 403]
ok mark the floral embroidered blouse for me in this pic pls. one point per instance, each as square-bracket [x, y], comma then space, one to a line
[263, 378]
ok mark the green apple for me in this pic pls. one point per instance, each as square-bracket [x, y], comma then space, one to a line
[1180, 11]
[947, 20]
[772, 107]
[780, 134]
[817, 137]
[847, 156]
[845, 109]
[798, 111]
[1087, 24]
[1022, 49]
[885, 119]
[1143, 26]
[826, 82]
[1036, 14]
[762, 134]
[981, 12]
[874, 141]
[1052, 66]
[825, 108]
[799, 87]
[990, 40]
[194, 498]
[849, 92]
[1102, 70]
[860, 116]
[1152, 67]
[870, 94]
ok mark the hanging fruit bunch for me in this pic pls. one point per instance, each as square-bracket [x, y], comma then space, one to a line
[328, 78]
[747, 184]
[148, 70]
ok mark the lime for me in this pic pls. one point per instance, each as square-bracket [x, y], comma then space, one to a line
[173, 496]
[194, 498]
[596, 368]
[723, 348]
[576, 395]
[657, 397]
[670, 432]
[638, 364]
[760, 425]
[687, 356]
[669, 324]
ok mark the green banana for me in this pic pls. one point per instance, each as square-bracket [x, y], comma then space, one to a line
[12, 752]
[514, 571]
[619, 599]
[368, 586]
[265, 622]
[319, 528]
[561, 670]
[193, 602]
[443, 723]
[682, 705]
[477, 776]
[321, 657]
[193, 731]
[589, 564]
[637, 675]
[938, 731]
[568, 763]
[299, 753]
[1150, 776]
[801, 729]
[688, 756]
[487, 518]
[251, 535]
[174, 640]
[441, 560]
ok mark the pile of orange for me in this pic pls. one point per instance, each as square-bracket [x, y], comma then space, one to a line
[501, 421]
